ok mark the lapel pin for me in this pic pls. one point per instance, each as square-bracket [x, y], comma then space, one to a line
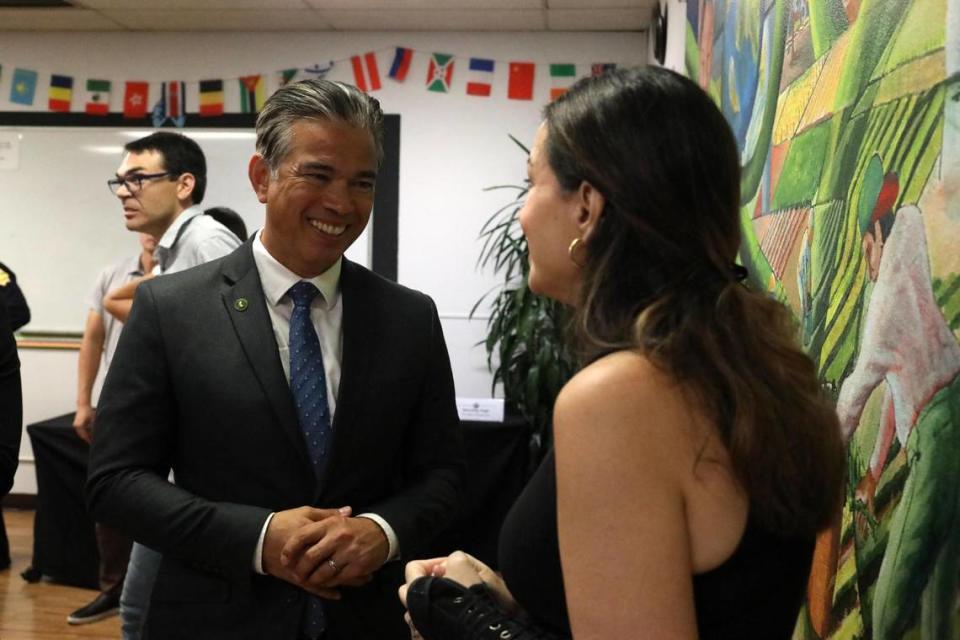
[240, 304]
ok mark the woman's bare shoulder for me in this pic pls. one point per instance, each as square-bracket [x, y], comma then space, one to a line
[626, 397]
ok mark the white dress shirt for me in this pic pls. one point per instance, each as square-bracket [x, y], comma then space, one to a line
[326, 313]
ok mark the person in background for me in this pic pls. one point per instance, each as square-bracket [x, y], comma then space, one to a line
[100, 336]
[11, 409]
[305, 404]
[695, 456]
[160, 183]
[18, 312]
[230, 219]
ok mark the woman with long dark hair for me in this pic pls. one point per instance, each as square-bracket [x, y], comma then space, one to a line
[695, 456]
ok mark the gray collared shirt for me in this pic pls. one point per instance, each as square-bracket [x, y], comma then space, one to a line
[192, 239]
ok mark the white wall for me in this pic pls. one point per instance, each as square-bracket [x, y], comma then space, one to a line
[452, 146]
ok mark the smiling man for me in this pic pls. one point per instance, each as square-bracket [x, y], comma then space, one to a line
[305, 405]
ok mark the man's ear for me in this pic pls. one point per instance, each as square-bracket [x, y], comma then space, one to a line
[259, 172]
[185, 184]
[590, 208]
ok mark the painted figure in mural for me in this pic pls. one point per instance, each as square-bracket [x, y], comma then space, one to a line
[695, 454]
[908, 347]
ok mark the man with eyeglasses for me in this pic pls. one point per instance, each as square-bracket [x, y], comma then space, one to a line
[161, 183]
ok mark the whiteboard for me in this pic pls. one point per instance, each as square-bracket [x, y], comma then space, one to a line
[60, 225]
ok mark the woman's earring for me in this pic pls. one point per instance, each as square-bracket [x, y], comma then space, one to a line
[571, 251]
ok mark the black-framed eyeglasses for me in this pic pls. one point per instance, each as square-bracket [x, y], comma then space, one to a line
[134, 183]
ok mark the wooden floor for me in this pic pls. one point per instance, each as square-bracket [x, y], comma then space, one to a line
[39, 611]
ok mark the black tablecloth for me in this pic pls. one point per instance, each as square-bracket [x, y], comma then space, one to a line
[65, 549]
[64, 545]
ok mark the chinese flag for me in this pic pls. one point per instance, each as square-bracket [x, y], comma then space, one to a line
[521, 81]
[135, 100]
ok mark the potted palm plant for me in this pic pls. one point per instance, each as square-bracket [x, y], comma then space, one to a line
[525, 343]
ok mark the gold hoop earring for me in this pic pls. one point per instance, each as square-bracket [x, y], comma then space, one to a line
[571, 251]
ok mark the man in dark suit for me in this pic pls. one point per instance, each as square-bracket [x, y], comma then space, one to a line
[229, 373]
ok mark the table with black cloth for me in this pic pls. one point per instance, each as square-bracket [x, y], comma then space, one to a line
[64, 544]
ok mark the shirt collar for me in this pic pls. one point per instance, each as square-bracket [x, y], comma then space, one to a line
[277, 279]
[172, 234]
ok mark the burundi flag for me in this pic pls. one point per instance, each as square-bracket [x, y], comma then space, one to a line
[561, 77]
[252, 94]
[98, 97]
[171, 105]
[481, 75]
[401, 64]
[520, 86]
[601, 67]
[211, 98]
[135, 99]
[365, 73]
[23, 86]
[440, 72]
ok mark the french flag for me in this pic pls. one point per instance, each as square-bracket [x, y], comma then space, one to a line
[481, 75]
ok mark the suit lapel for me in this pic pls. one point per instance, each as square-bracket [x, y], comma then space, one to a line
[359, 342]
[245, 304]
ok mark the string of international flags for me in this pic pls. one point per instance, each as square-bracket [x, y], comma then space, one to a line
[170, 105]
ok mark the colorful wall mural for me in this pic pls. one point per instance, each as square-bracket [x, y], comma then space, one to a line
[847, 113]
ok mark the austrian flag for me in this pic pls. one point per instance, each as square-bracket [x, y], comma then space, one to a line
[98, 97]
[481, 73]
[440, 72]
[365, 73]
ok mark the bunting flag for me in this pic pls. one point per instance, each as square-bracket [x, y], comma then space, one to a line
[287, 76]
[520, 86]
[171, 105]
[320, 71]
[562, 76]
[60, 93]
[440, 72]
[364, 70]
[252, 94]
[401, 64]
[601, 67]
[135, 99]
[23, 86]
[481, 75]
[98, 97]
[211, 98]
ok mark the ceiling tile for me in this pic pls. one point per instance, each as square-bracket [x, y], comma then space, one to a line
[600, 4]
[402, 5]
[209, 20]
[55, 20]
[598, 19]
[195, 5]
[439, 20]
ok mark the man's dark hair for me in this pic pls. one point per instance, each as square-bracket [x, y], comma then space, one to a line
[230, 219]
[180, 155]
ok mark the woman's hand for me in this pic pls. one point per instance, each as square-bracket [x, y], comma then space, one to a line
[463, 569]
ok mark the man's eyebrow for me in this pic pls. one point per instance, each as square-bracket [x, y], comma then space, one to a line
[320, 166]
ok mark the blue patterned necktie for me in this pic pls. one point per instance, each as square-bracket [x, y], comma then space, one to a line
[308, 382]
